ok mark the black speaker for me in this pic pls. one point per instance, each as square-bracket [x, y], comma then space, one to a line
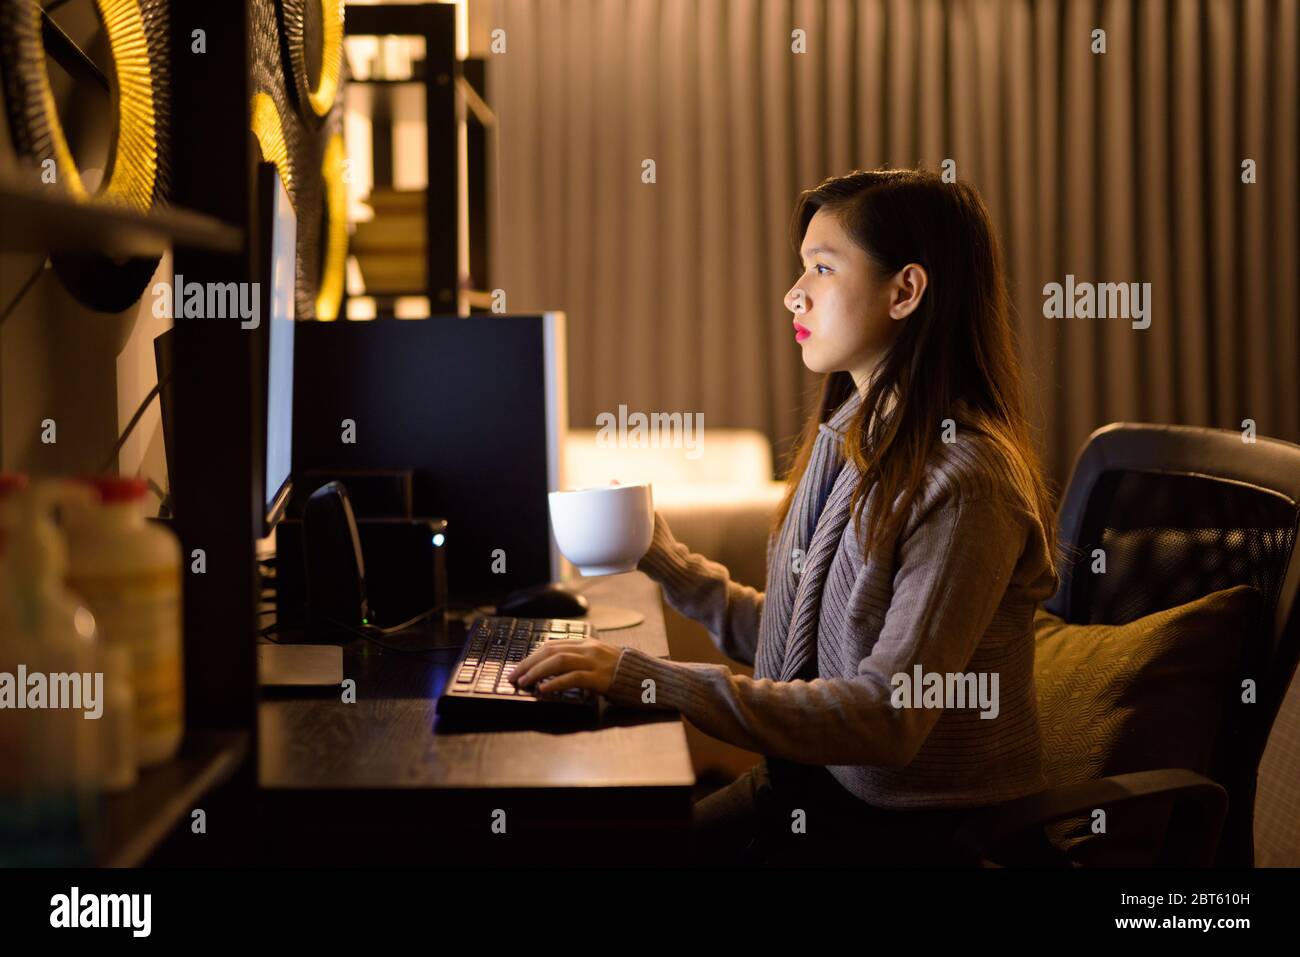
[334, 569]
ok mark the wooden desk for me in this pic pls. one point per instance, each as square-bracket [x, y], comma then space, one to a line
[380, 780]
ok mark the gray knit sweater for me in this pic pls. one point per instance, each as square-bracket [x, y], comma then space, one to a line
[956, 597]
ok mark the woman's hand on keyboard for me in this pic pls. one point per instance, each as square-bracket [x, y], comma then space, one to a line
[560, 665]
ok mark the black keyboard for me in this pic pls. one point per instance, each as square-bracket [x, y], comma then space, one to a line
[480, 686]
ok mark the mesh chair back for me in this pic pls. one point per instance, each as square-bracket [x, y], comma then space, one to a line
[1178, 513]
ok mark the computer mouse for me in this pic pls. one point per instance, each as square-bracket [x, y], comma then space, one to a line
[551, 600]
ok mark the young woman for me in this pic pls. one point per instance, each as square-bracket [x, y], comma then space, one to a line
[914, 542]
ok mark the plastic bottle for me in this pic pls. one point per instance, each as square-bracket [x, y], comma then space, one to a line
[48, 768]
[118, 763]
[128, 571]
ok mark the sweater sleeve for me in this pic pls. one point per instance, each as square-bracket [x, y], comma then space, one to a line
[703, 590]
[954, 567]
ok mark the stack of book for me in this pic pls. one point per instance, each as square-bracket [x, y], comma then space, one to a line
[390, 248]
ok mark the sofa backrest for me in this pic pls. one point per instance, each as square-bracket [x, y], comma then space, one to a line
[718, 457]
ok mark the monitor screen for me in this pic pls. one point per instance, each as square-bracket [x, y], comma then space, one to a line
[279, 364]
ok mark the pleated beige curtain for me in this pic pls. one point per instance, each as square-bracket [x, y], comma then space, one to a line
[1117, 167]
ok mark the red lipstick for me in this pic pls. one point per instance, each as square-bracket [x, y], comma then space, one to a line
[800, 333]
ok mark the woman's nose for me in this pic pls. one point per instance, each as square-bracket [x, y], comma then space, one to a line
[796, 300]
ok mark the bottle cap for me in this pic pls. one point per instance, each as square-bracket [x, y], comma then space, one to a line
[117, 489]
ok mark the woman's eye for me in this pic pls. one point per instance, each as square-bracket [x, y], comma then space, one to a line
[820, 267]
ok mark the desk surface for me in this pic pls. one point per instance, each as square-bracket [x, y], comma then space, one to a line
[390, 739]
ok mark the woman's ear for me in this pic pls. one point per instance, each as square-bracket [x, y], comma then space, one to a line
[909, 287]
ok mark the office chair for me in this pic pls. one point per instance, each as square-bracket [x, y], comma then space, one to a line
[1180, 512]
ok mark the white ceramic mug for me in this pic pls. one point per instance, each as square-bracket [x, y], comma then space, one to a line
[606, 530]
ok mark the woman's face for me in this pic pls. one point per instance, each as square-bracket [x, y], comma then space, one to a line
[845, 316]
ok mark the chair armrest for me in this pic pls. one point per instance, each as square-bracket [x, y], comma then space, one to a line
[1191, 837]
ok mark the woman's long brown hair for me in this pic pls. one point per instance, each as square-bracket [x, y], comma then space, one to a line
[957, 346]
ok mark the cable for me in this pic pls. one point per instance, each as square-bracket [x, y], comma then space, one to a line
[470, 612]
[274, 628]
[26, 288]
[405, 651]
[156, 489]
[371, 637]
[135, 419]
[398, 629]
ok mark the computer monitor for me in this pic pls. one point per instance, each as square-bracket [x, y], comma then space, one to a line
[475, 406]
[274, 256]
[276, 269]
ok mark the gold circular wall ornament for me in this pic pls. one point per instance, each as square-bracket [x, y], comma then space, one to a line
[136, 167]
[135, 156]
[312, 34]
[270, 137]
[133, 176]
[322, 96]
[329, 294]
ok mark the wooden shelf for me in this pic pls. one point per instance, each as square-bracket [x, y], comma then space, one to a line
[45, 218]
[385, 81]
[392, 294]
[133, 823]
